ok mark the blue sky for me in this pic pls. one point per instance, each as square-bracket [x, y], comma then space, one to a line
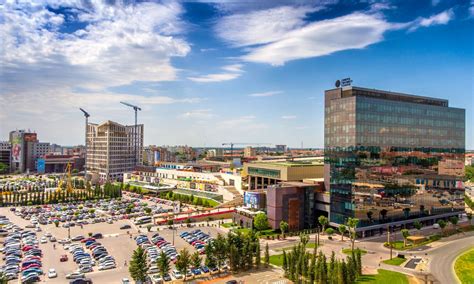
[208, 73]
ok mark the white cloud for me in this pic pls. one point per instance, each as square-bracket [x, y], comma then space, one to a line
[242, 123]
[288, 117]
[353, 31]
[198, 114]
[265, 94]
[233, 71]
[261, 26]
[439, 19]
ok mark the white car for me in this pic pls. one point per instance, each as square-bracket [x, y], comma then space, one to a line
[52, 273]
[107, 266]
[126, 281]
[43, 240]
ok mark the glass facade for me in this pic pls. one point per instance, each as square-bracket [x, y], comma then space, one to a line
[392, 157]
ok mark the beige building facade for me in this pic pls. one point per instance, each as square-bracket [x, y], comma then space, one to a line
[111, 149]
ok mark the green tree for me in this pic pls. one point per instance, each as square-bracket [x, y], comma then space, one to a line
[329, 231]
[342, 230]
[285, 263]
[220, 250]
[283, 227]
[183, 262]
[267, 256]
[196, 260]
[352, 225]
[442, 224]
[405, 234]
[454, 220]
[323, 220]
[138, 267]
[418, 225]
[469, 217]
[257, 254]
[163, 264]
[260, 221]
[210, 257]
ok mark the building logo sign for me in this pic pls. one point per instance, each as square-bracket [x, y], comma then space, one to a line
[343, 82]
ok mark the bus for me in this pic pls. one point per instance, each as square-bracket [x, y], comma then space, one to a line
[143, 220]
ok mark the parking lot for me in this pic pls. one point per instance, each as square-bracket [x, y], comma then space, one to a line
[119, 243]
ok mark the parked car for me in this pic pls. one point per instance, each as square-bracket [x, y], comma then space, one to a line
[52, 273]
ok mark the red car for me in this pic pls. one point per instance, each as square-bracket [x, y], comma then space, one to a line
[30, 266]
[27, 248]
[63, 258]
[88, 239]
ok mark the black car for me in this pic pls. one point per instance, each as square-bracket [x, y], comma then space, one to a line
[125, 227]
[231, 282]
[97, 236]
[81, 281]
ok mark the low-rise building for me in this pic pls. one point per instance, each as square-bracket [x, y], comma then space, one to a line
[260, 175]
[5, 154]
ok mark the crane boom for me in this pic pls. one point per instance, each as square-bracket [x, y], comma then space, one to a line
[132, 106]
[86, 114]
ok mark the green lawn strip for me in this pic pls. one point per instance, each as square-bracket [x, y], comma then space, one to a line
[464, 267]
[308, 246]
[228, 225]
[349, 251]
[395, 261]
[276, 259]
[383, 277]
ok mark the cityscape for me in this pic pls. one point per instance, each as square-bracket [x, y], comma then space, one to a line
[237, 142]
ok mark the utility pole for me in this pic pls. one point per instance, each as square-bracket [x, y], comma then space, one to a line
[86, 115]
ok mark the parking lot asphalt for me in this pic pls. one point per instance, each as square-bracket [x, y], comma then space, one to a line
[118, 243]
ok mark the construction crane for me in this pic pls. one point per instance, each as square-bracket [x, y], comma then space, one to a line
[68, 179]
[86, 115]
[135, 108]
[232, 145]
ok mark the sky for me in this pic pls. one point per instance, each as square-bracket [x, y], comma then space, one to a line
[207, 73]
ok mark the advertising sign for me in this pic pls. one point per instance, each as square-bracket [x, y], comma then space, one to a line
[16, 147]
[40, 166]
[253, 199]
[176, 207]
[30, 137]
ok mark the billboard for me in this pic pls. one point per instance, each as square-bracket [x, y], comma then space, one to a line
[16, 147]
[254, 199]
[40, 166]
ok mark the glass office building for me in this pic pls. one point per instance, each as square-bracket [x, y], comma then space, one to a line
[391, 158]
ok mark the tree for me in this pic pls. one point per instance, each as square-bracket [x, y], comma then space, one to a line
[323, 220]
[196, 260]
[148, 227]
[285, 263]
[329, 231]
[183, 262]
[147, 210]
[163, 264]
[257, 254]
[283, 227]
[220, 250]
[442, 224]
[138, 267]
[454, 220]
[383, 214]
[260, 221]
[405, 234]
[342, 230]
[210, 257]
[352, 225]
[417, 225]
[267, 256]
[469, 217]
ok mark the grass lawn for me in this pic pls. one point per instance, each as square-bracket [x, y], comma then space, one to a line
[276, 259]
[395, 261]
[308, 245]
[384, 276]
[244, 231]
[464, 267]
[349, 251]
[228, 225]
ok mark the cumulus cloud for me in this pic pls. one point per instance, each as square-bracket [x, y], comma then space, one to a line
[233, 71]
[58, 55]
[265, 94]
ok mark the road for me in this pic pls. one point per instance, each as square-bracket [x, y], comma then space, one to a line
[442, 259]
